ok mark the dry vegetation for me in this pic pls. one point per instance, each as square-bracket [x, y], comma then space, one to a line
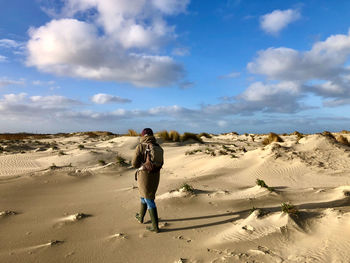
[23, 136]
[340, 138]
[289, 209]
[187, 188]
[206, 135]
[174, 136]
[164, 135]
[190, 136]
[272, 137]
[343, 140]
[328, 134]
[262, 183]
[132, 132]
[121, 161]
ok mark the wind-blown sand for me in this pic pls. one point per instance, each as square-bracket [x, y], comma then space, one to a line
[61, 202]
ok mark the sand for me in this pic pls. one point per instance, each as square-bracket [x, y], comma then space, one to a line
[68, 199]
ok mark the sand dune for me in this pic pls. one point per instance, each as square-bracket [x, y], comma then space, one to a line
[222, 217]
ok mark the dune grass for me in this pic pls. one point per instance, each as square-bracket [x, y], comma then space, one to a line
[328, 134]
[132, 132]
[187, 188]
[174, 136]
[298, 134]
[190, 136]
[289, 209]
[262, 183]
[193, 152]
[23, 136]
[272, 137]
[164, 135]
[206, 135]
[343, 140]
[102, 162]
[53, 166]
[121, 161]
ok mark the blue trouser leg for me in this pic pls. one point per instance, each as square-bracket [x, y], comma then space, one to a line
[150, 202]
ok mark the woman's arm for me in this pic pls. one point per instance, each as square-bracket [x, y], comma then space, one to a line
[137, 160]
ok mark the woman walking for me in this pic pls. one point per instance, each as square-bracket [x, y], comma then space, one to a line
[148, 160]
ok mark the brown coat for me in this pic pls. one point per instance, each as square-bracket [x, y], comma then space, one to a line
[147, 181]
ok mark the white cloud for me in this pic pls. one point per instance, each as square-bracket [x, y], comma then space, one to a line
[19, 112]
[230, 75]
[54, 101]
[259, 91]
[323, 66]
[9, 43]
[336, 102]
[277, 20]
[43, 83]
[124, 52]
[320, 71]
[171, 6]
[102, 98]
[7, 82]
[3, 58]
[181, 51]
[14, 98]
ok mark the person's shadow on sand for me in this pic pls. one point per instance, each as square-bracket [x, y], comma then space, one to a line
[234, 216]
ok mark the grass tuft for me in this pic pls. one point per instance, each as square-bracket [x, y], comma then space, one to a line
[298, 134]
[80, 146]
[132, 132]
[188, 136]
[289, 209]
[262, 183]
[53, 167]
[193, 152]
[328, 134]
[121, 161]
[174, 136]
[187, 188]
[164, 135]
[272, 137]
[22, 136]
[261, 212]
[206, 135]
[102, 162]
[343, 140]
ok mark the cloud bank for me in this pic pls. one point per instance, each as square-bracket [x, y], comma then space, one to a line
[118, 43]
[320, 71]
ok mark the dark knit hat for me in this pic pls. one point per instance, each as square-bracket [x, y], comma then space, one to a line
[147, 131]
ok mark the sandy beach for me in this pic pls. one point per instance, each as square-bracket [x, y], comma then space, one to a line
[70, 199]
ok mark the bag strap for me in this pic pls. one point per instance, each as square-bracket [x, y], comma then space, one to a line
[147, 151]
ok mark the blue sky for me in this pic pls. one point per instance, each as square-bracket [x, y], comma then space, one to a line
[189, 65]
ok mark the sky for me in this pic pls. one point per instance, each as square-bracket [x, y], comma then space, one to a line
[187, 65]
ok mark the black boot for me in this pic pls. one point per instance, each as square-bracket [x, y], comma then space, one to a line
[154, 218]
[139, 216]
